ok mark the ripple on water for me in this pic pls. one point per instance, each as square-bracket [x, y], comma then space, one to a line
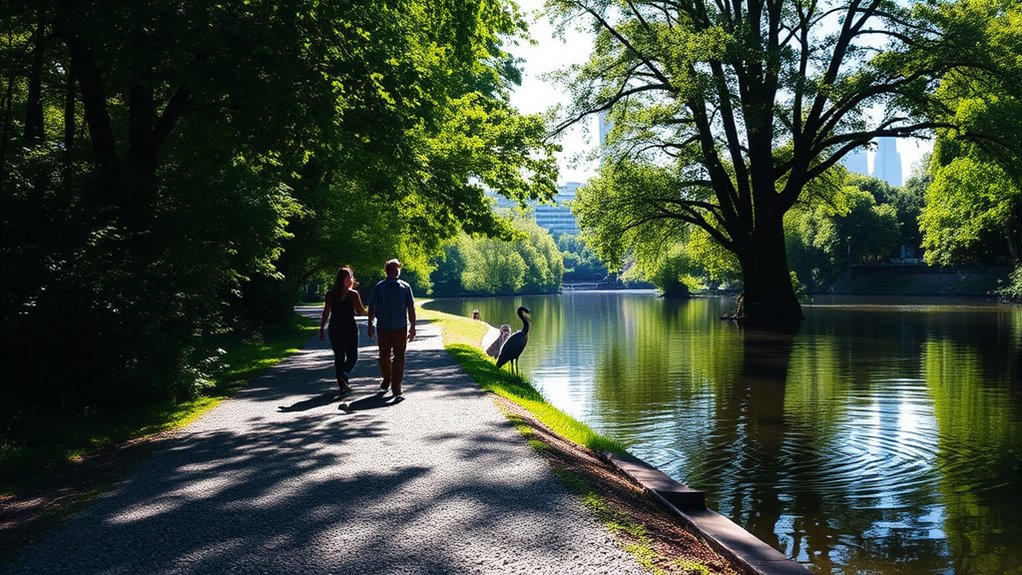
[881, 452]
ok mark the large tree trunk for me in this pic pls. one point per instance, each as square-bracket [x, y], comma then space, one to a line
[97, 116]
[34, 106]
[769, 296]
[69, 129]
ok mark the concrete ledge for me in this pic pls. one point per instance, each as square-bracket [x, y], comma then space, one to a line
[678, 494]
[726, 537]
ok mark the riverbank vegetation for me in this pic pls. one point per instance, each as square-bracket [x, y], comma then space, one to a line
[529, 263]
[47, 440]
[172, 173]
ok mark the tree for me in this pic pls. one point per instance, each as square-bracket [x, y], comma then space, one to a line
[231, 151]
[724, 113]
[455, 136]
[580, 263]
[528, 263]
[822, 236]
[973, 211]
[545, 264]
[910, 205]
[972, 214]
[673, 274]
[907, 202]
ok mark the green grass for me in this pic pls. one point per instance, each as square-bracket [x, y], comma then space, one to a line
[53, 438]
[462, 337]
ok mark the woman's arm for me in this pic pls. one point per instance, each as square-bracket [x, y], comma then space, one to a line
[357, 302]
[326, 315]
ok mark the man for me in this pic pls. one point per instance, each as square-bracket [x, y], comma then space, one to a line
[393, 307]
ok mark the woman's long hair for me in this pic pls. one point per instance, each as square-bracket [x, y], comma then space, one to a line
[339, 287]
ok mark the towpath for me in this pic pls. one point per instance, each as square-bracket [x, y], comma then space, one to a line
[278, 479]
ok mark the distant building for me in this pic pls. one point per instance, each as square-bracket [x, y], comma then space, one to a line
[887, 161]
[604, 127]
[856, 162]
[557, 218]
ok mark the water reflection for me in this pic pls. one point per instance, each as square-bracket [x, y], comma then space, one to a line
[875, 439]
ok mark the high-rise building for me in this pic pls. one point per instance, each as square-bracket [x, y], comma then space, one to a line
[604, 127]
[856, 162]
[887, 161]
[557, 218]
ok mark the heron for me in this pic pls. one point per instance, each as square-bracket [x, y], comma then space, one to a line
[515, 343]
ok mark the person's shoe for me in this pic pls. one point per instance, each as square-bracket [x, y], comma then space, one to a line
[385, 385]
[397, 392]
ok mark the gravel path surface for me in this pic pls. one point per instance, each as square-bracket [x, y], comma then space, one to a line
[280, 480]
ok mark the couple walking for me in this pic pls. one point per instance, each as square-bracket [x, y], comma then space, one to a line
[391, 305]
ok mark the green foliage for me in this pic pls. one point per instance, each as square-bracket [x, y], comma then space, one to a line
[580, 263]
[971, 207]
[191, 164]
[724, 123]
[529, 263]
[821, 236]
[619, 212]
[620, 215]
[1012, 290]
[907, 202]
[46, 439]
[492, 267]
[672, 273]
[974, 204]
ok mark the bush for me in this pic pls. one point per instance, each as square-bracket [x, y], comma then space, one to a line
[1012, 290]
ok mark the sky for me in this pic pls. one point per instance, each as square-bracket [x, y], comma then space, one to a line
[537, 96]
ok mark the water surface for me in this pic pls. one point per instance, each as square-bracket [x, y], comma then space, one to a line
[884, 436]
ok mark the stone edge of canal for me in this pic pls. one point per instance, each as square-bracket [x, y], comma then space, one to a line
[688, 505]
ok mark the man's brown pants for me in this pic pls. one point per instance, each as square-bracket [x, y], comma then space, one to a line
[392, 343]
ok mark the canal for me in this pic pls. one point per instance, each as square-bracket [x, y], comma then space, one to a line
[883, 436]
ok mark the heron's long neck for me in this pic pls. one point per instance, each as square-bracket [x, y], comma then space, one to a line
[525, 324]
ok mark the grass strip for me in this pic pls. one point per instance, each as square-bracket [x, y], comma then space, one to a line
[462, 337]
[53, 438]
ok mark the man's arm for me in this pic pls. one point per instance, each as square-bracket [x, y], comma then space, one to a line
[372, 315]
[411, 320]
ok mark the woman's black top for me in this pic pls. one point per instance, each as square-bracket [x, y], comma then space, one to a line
[342, 311]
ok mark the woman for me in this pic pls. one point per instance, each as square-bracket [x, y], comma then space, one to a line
[339, 309]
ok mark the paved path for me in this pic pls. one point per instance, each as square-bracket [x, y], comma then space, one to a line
[279, 480]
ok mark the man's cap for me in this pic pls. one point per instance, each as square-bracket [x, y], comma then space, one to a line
[392, 262]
